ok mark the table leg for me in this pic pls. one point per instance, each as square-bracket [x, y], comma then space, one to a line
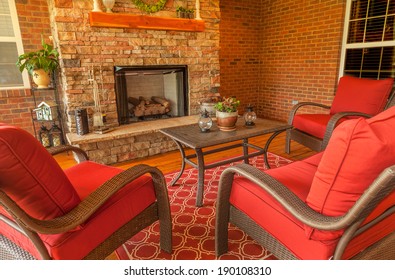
[182, 163]
[266, 148]
[200, 167]
[245, 151]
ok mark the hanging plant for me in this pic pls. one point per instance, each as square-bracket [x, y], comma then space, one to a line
[150, 8]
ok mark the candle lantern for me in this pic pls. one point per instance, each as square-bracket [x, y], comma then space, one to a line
[249, 116]
[43, 134]
[56, 136]
[205, 122]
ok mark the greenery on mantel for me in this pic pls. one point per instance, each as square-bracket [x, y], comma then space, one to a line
[150, 8]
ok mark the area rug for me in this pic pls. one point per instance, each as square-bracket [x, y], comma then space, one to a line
[194, 227]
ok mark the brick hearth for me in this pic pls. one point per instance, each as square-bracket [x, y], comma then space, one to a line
[131, 141]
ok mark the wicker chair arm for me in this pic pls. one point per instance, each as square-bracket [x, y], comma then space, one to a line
[334, 121]
[88, 206]
[298, 208]
[391, 100]
[296, 107]
[79, 153]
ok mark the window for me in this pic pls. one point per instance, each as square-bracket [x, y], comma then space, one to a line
[10, 48]
[369, 39]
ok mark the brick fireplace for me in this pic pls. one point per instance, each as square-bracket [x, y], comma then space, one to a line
[89, 46]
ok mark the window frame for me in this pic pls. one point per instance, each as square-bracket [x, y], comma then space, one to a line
[346, 46]
[19, 44]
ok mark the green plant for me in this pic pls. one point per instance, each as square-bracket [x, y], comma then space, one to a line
[228, 104]
[181, 9]
[185, 10]
[47, 59]
[150, 8]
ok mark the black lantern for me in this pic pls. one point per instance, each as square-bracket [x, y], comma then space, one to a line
[205, 122]
[249, 116]
[81, 121]
[43, 134]
[55, 135]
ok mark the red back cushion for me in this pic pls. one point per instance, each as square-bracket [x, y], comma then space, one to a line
[361, 95]
[32, 177]
[358, 151]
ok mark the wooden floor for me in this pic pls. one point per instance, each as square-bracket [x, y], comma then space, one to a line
[171, 161]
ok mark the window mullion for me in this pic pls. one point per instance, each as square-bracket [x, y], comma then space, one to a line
[366, 22]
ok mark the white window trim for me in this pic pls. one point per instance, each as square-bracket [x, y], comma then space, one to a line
[18, 40]
[346, 45]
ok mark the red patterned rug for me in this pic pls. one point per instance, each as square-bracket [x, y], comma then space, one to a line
[193, 227]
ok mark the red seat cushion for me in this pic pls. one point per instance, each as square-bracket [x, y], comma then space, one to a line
[361, 95]
[115, 212]
[32, 177]
[271, 216]
[353, 95]
[34, 180]
[358, 151]
[313, 124]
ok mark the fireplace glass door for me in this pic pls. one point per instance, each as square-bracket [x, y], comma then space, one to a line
[150, 92]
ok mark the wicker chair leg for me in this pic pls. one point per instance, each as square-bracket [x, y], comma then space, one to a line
[288, 142]
[222, 213]
[165, 226]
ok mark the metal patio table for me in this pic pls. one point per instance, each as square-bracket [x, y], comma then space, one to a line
[189, 136]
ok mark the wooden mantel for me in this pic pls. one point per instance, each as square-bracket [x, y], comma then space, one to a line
[117, 20]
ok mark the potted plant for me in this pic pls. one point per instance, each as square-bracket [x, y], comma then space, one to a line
[227, 114]
[40, 64]
[181, 12]
[190, 13]
[184, 12]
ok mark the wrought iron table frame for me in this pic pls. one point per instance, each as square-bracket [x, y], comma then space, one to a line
[190, 136]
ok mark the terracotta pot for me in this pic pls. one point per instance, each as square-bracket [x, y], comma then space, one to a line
[41, 78]
[226, 121]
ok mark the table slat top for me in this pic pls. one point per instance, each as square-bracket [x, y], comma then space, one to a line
[191, 136]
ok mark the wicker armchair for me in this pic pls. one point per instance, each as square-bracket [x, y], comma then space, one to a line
[226, 212]
[351, 100]
[110, 207]
[337, 204]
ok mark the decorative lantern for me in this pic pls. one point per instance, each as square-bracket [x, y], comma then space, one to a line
[205, 122]
[43, 134]
[55, 135]
[249, 116]
[81, 121]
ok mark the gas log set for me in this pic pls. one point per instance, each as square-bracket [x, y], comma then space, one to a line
[143, 107]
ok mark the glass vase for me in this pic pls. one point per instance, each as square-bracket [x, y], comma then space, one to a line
[108, 4]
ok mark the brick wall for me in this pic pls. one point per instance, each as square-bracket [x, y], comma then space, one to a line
[300, 53]
[273, 52]
[241, 42]
[15, 105]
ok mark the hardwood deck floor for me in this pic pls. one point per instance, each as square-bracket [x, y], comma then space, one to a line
[171, 161]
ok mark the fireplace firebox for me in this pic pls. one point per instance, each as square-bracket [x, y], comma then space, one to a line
[151, 92]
